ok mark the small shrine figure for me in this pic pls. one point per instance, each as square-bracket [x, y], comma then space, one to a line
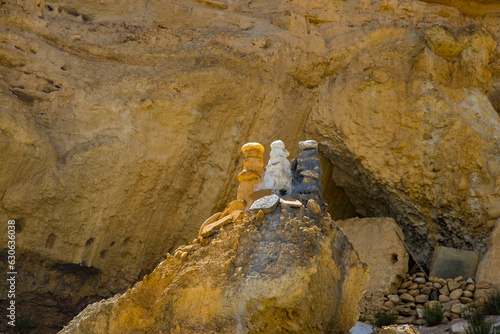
[278, 176]
[253, 168]
[306, 170]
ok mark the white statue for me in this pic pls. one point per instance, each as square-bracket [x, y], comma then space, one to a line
[278, 176]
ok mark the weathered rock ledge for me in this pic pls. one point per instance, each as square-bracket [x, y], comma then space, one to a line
[291, 270]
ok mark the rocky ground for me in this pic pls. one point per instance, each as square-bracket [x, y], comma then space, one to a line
[454, 324]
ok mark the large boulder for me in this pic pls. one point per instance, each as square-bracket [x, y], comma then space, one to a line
[379, 243]
[488, 269]
[290, 271]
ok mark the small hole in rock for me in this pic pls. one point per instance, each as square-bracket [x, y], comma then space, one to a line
[394, 258]
[50, 8]
[19, 225]
[49, 244]
[103, 254]
[112, 244]
[73, 13]
[63, 68]
[89, 242]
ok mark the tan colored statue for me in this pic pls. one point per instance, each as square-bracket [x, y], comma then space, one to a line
[253, 168]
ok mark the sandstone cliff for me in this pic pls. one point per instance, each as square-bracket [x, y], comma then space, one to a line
[121, 123]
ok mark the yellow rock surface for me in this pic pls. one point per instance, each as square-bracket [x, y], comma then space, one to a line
[251, 175]
[488, 269]
[237, 205]
[419, 140]
[379, 244]
[121, 124]
[253, 150]
[250, 277]
[210, 229]
[211, 220]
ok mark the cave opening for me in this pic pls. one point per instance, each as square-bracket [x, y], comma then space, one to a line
[340, 206]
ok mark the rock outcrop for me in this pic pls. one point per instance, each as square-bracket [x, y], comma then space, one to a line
[121, 122]
[488, 269]
[427, 155]
[379, 243]
[289, 271]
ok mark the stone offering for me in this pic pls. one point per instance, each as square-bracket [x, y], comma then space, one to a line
[267, 204]
[306, 170]
[253, 168]
[278, 176]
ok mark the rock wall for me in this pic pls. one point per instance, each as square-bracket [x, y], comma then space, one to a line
[437, 173]
[121, 121]
[417, 290]
[487, 274]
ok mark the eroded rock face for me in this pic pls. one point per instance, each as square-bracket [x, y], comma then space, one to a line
[127, 118]
[419, 144]
[290, 271]
[488, 269]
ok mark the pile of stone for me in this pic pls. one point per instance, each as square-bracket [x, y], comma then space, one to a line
[416, 291]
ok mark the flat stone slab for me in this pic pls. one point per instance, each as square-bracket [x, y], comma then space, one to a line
[303, 145]
[291, 202]
[210, 229]
[362, 328]
[459, 327]
[450, 263]
[267, 204]
[210, 220]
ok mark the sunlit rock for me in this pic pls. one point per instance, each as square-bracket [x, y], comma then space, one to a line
[290, 271]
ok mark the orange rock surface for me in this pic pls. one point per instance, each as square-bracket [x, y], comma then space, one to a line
[121, 124]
